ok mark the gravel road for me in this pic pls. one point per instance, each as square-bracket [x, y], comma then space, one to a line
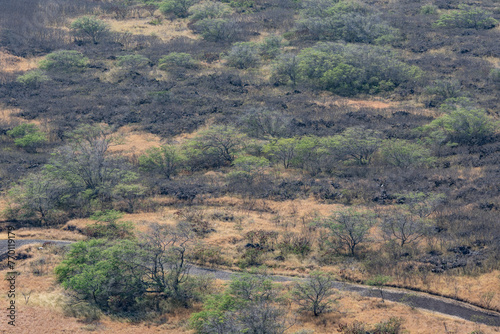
[419, 300]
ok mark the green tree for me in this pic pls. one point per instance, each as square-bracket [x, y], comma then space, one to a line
[357, 143]
[165, 160]
[217, 145]
[37, 195]
[285, 70]
[64, 61]
[89, 27]
[282, 150]
[251, 304]
[349, 228]
[315, 293]
[108, 274]
[28, 136]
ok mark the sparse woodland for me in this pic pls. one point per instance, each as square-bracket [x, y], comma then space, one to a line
[354, 140]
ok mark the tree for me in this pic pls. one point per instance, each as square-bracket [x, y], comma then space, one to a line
[249, 305]
[349, 228]
[165, 160]
[217, 145]
[404, 227]
[86, 164]
[89, 27]
[64, 61]
[108, 274]
[283, 150]
[358, 143]
[28, 136]
[285, 70]
[314, 294]
[38, 195]
[166, 268]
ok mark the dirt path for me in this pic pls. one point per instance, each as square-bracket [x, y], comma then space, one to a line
[414, 299]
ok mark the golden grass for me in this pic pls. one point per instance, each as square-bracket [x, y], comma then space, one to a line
[166, 31]
[10, 63]
[131, 141]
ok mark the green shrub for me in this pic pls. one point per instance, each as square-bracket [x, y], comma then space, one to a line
[132, 61]
[428, 9]
[349, 21]
[177, 60]
[209, 10]
[392, 326]
[271, 47]
[28, 136]
[467, 17]
[352, 69]
[89, 27]
[463, 125]
[404, 154]
[64, 61]
[179, 8]
[494, 76]
[243, 55]
[216, 30]
[32, 79]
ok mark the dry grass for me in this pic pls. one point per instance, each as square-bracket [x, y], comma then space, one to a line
[130, 141]
[166, 31]
[10, 63]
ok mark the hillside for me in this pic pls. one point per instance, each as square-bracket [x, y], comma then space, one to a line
[351, 140]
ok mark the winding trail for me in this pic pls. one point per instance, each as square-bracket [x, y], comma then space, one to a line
[421, 300]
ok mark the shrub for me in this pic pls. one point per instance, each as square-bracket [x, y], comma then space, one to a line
[351, 69]
[89, 27]
[428, 9]
[404, 154]
[271, 47]
[32, 79]
[463, 125]
[494, 76]
[165, 160]
[243, 55]
[179, 8]
[28, 136]
[349, 21]
[177, 60]
[216, 30]
[467, 17]
[132, 61]
[64, 61]
[209, 10]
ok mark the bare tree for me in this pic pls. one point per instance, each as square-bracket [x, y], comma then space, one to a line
[314, 294]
